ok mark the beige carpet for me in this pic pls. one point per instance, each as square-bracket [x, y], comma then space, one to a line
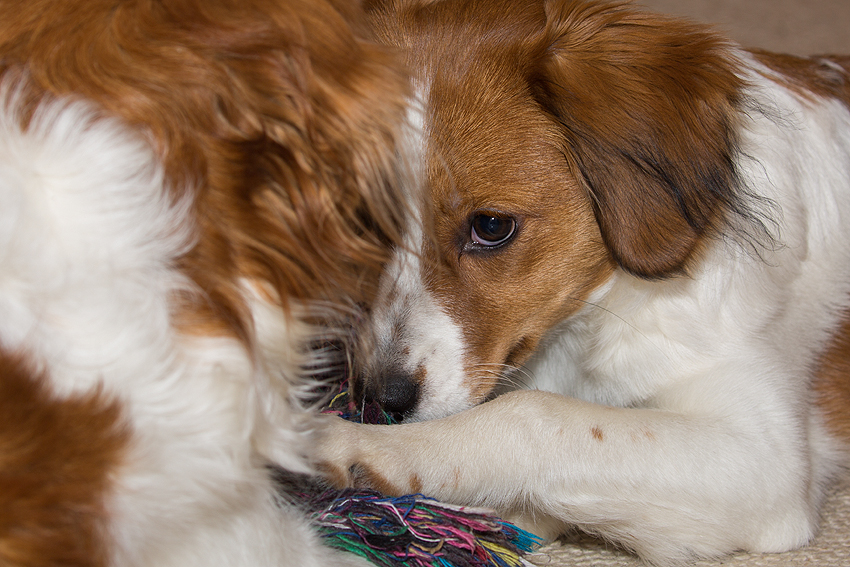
[830, 548]
[801, 27]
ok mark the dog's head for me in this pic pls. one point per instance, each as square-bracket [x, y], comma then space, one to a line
[563, 140]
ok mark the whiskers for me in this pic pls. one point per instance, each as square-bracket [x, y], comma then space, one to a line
[649, 340]
[606, 310]
[507, 377]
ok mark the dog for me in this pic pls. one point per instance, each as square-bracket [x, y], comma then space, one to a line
[623, 299]
[190, 191]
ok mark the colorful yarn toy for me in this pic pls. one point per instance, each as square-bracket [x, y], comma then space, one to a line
[369, 412]
[405, 531]
[416, 531]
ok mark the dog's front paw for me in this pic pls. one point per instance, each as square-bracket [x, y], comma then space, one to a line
[349, 455]
[334, 451]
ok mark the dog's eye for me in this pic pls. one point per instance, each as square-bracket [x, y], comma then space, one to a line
[490, 229]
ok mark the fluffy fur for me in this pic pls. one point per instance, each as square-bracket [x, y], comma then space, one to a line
[183, 185]
[643, 229]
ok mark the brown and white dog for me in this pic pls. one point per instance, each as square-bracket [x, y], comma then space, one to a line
[644, 226]
[182, 182]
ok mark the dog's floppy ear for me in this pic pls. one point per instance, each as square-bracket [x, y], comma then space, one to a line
[648, 108]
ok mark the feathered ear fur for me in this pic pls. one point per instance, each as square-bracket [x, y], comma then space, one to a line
[648, 108]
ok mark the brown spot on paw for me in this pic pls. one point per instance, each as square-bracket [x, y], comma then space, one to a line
[597, 433]
[334, 476]
[364, 477]
[415, 483]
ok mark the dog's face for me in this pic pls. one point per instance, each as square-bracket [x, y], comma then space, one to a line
[471, 295]
[561, 141]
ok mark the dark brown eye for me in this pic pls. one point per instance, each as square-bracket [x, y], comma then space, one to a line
[489, 229]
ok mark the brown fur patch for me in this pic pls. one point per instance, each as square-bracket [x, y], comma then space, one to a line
[648, 108]
[415, 484]
[338, 478]
[832, 383]
[56, 457]
[363, 476]
[825, 76]
[280, 115]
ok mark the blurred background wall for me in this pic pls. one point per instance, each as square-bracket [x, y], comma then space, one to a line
[801, 27]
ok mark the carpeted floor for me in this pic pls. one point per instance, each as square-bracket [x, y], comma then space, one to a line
[802, 27]
[831, 547]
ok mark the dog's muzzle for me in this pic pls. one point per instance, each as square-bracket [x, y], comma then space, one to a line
[397, 393]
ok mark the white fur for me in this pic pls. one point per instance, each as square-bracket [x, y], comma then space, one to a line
[89, 235]
[430, 334]
[430, 338]
[714, 444]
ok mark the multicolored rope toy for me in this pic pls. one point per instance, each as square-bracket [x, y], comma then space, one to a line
[406, 531]
[416, 531]
[343, 406]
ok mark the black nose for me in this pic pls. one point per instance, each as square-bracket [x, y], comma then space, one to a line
[396, 393]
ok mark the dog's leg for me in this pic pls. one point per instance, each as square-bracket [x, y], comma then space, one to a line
[666, 485]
